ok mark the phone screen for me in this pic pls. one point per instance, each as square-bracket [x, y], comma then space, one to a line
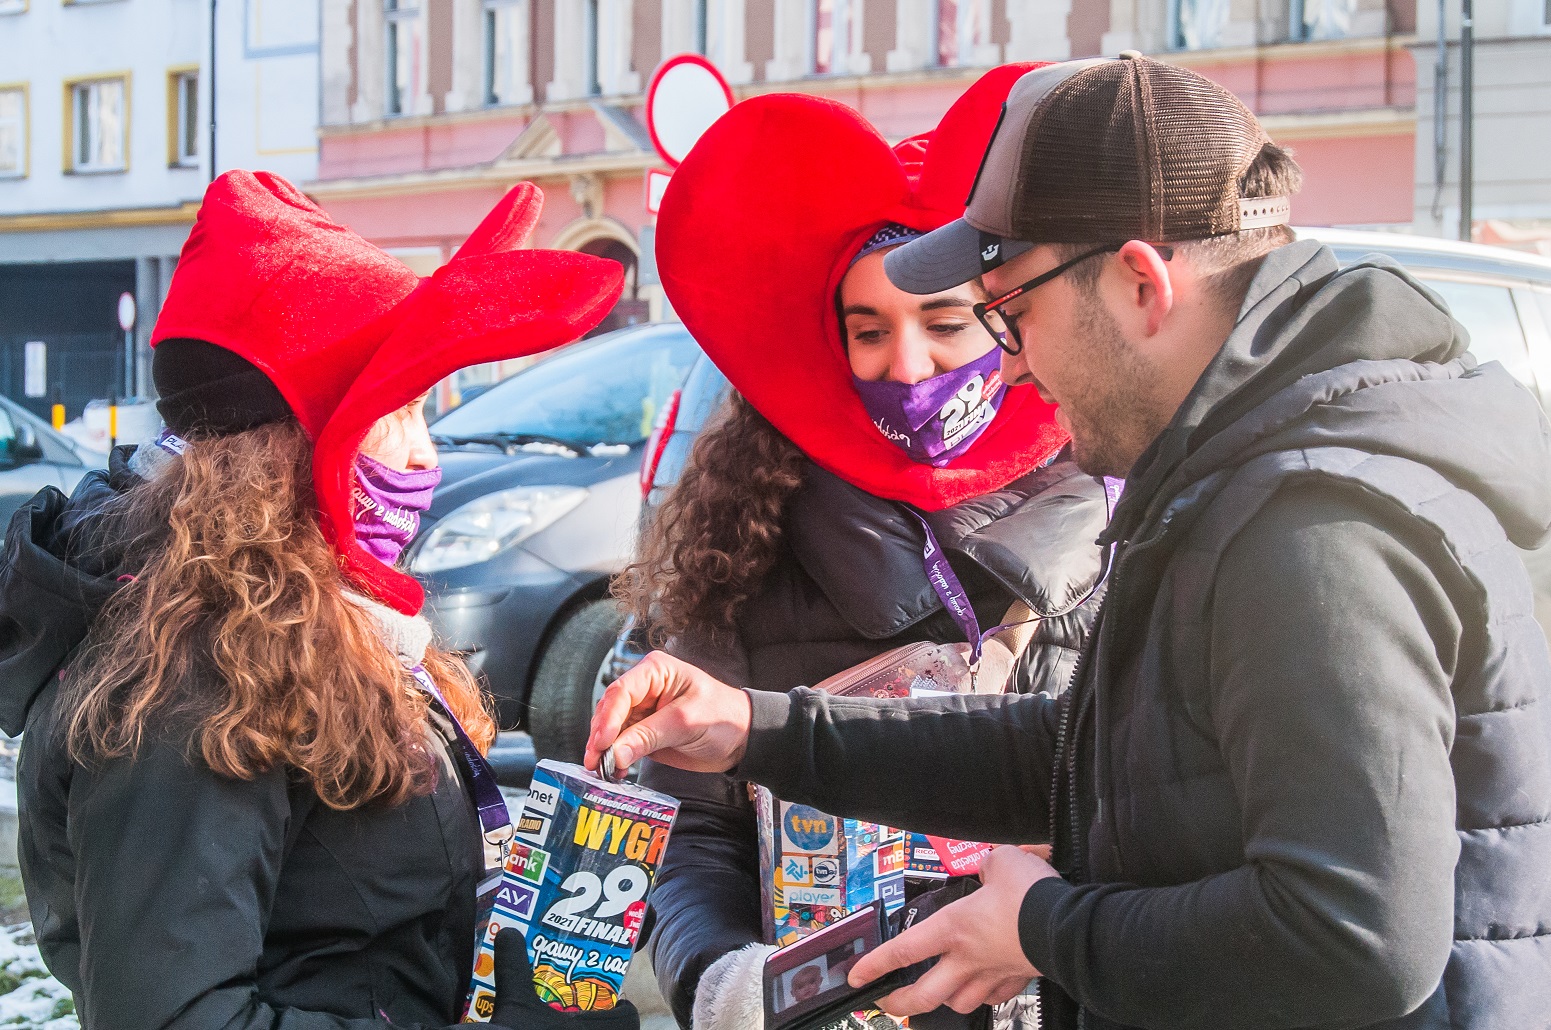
[817, 976]
[810, 974]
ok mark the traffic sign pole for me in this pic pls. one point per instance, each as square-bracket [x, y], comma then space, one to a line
[126, 322]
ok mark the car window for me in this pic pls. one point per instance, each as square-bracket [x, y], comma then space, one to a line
[1487, 311]
[1543, 297]
[604, 391]
[7, 432]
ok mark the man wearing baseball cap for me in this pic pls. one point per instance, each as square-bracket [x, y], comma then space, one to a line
[1302, 777]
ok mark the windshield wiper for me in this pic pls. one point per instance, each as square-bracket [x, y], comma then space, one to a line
[510, 443]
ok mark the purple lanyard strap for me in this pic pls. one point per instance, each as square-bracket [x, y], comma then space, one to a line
[951, 592]
[493, 815]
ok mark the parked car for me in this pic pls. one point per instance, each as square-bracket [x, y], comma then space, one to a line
[1503, 297]
[536, 510]
[33, 455]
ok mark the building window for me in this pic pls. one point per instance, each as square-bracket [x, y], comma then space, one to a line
[13, 132]
[963, 32]
[97, 125]
[837, 31]
[507, 27]
[1197, 24]
[406, 75]
[590, 35]
[1322, 19]
[183, 118]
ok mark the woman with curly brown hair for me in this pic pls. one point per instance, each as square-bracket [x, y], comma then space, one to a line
[869, 435]
[253, 792]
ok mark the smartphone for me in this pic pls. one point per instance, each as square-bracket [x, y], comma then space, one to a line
[805, 982]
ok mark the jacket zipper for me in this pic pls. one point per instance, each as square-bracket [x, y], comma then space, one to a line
[1066, 760]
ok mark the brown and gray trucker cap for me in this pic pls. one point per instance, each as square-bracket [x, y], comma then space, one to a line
[1099, 151]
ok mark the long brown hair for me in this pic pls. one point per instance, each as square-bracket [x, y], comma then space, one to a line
[716, 534]
[235, 626]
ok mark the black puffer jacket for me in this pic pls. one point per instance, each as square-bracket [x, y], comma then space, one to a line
[166, 896]
[1303, 778]
[850, 584]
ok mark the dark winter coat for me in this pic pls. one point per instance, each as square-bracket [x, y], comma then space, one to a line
[165, 895]
[1303, 778]
[850, 584]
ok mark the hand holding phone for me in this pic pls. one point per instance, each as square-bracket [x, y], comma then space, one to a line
[973, 945]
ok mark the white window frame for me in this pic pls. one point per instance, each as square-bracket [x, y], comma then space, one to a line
[397, 103]
[522, 72]
[725, 39]
[78, 121]
[1176, 34]
[183, 136]
[23, 131]
[969, 52]
[1298, 30]
[847, 52]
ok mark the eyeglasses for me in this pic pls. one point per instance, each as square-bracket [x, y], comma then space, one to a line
[1004, 330]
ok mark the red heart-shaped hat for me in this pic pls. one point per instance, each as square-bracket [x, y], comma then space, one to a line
[348, 334]
[756, 230]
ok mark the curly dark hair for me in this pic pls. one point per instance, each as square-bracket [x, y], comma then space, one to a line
[716, 534]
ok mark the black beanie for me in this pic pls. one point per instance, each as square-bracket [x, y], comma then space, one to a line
[209, 391]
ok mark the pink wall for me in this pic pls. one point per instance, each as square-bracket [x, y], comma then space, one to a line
[1355, 180]
[445, 217]
[1348, 179]
[1292, 82]
[455, 143]
[442, 218]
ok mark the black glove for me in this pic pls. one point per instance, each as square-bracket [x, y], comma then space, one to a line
[517, 1004]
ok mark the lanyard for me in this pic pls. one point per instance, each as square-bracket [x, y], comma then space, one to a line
[951, 592]
[493, 815]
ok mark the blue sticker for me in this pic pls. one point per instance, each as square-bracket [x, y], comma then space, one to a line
[808, 829]
[516, 898]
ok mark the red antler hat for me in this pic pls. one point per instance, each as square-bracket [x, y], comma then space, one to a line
[346, 334]
[758, 227]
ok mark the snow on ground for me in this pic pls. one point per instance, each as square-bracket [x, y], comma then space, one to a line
[30, 999]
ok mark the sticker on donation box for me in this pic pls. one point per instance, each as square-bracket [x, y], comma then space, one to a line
[575, 883]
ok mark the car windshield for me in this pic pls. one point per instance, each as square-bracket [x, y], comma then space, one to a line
[604, 391]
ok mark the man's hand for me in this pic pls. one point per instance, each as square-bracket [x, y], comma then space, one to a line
[982, 960]
[674, 712]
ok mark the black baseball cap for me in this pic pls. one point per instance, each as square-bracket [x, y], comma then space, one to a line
[1099, 151]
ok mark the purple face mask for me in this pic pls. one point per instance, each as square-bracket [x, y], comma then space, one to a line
[937, 420]
[388, 504]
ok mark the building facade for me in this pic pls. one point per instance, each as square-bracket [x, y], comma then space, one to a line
[407, 119]
[431, 108]
[105, 151]
[1512, 139]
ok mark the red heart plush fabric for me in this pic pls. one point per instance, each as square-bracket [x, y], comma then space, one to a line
[756, 230]
[348, 334]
